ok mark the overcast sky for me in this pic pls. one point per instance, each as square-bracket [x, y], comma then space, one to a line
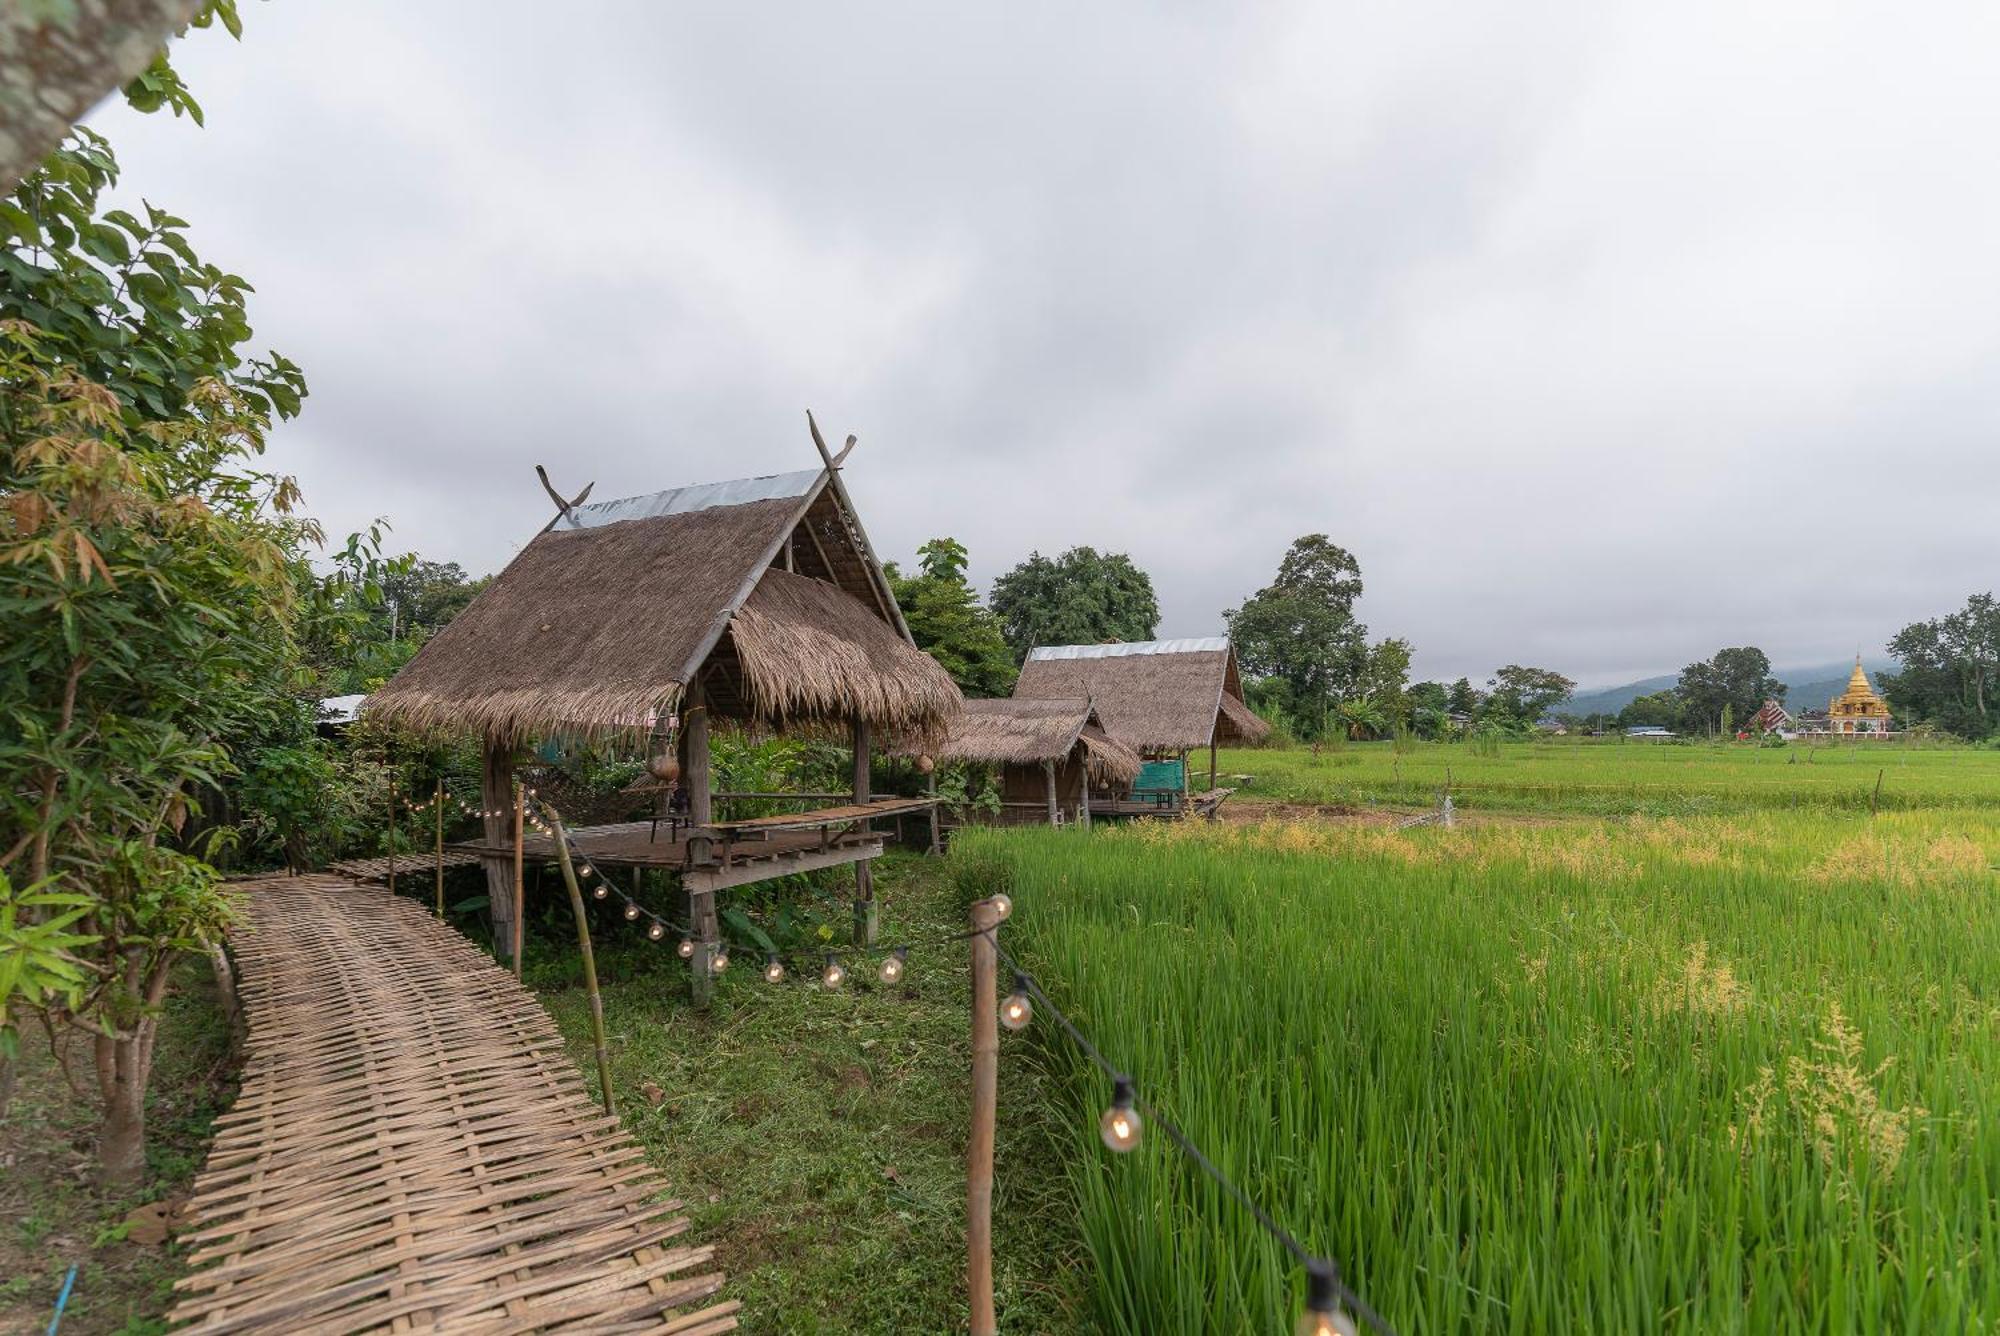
[1603, 335]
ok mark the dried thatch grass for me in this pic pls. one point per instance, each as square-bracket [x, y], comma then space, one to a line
[813, 652]
[1029, 732]
[593, 631]
[1169, 701]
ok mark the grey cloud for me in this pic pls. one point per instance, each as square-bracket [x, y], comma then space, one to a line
[1604, 335]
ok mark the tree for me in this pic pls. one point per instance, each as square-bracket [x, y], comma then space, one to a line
[1082, 597]
[947, 623]
[1526, 694]
[1662, 709]
[1300, 628]
[1736, 681]
[64, 57]
[1384, 679]
[144, 584]
[1950, 670]
[1464, 698]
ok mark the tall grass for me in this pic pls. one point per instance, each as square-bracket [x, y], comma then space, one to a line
[1606, 778]
[1701, 1075]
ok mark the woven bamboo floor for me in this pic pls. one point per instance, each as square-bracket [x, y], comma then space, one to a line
[413, 1151]
[421, 863]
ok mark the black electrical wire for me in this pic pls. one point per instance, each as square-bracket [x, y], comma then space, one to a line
[1318, 1268]
[1305, 1256]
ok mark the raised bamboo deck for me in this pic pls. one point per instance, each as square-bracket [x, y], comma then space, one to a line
[412, 1149]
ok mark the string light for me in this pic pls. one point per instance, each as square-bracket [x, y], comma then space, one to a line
[894, 964]
[1003, 905]
[1119, 1127]
[1323, 1315]
[1017, 1010]
[719, 962]
[656, 930]
[774, 968]
[686, 948]
[631, 912]
[835, 974]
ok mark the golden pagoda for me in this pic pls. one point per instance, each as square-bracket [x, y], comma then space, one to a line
[1859, 709]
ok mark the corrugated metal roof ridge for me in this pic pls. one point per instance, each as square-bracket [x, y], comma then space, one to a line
[686, 500]
[1186, 645]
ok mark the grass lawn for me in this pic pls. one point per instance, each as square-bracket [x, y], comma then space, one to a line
[1609, 777]
[818, 1137]
[51, 1213]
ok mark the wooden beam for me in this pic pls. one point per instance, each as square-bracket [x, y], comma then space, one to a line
[563, 508]
[985, 1104]
[1049, 774]
[715, 877]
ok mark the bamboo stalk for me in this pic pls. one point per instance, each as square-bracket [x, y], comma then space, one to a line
[520, 899]
[561, 838]
[437, 802]
[985, 1102]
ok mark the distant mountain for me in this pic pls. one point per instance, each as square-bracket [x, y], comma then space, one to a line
[1806, 688]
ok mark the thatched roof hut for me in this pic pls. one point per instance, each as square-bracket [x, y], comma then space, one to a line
[764, 588]
[1154, 696]
[1031, 732]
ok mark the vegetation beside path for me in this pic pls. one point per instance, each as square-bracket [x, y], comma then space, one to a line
[818, 1137]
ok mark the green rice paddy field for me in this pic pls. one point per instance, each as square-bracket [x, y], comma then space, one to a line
[1731, 1071]
[1611, 777]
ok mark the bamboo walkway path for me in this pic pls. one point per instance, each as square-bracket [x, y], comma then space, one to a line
[417, 863]
[413, 1151]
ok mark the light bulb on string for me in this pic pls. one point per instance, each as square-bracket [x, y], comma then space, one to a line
[600, 891]
[894, 963]
[1017, 1010]
[1003, 905]
[1119, 1127]
[1323, 1315]
[835, 974]
[686, 948]
[774, 968]
[631, 912]
[719, 962]
[656, 930]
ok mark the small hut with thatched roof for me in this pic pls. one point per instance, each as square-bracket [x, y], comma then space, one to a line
[1050, 754]
[1161, 698]
[757, 600]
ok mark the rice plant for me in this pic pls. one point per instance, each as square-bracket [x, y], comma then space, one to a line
[1700, 1075]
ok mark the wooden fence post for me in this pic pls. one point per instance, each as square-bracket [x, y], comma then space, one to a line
[985, 1102]
[520, 899]
[930, 787]
[866, 919]
[561, 837]
[437, 804]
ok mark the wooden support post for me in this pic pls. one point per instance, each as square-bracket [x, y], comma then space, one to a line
[930, 787]
[520, 883]
[1083, 789]
[866, 916]
[589, 961]
[707, 938]
[1049, 781]
[394, 798]
[1211, 760]
[1184, 781]
[496, 797]
[985, 1105]
[701, 810]
[437, 815]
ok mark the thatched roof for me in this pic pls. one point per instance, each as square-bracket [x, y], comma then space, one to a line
[1029, 732]
[1157, 695]
[764, 586]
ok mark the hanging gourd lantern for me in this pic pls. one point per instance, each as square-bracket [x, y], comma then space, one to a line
[665, 767]
[925, 765]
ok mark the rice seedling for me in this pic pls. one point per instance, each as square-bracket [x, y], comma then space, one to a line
[1689, 1074]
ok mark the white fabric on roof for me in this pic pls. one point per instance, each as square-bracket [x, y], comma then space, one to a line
[682, 500]
[1194, 645]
